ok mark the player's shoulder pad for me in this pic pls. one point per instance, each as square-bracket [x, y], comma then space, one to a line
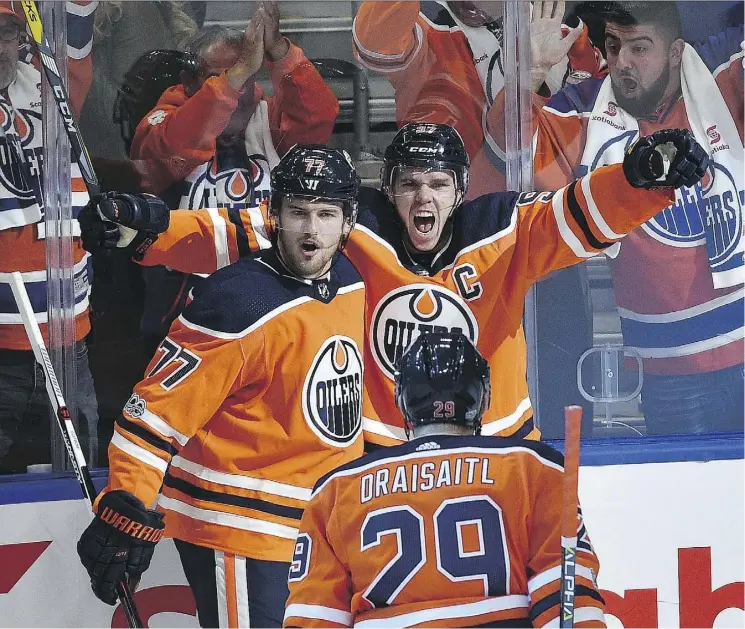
[344, 272]
[237, 296]
[380, 454]
[375, 211]
[576, 98]
[378, 215]
[483, 217]
[543, 450]
[441, 445]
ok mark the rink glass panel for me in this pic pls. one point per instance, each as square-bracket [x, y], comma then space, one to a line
[565, 316]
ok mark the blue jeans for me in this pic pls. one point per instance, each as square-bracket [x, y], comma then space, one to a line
[25, 430]
[695, 403]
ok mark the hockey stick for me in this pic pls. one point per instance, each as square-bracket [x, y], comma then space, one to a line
[570, 505]
[52, 73]
[64, 421]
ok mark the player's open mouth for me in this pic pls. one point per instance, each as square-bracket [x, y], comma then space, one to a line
[424, 222]
[309, 247]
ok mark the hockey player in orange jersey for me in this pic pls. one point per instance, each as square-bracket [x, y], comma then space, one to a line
[254, 394]
[448, 530]
[430, 262]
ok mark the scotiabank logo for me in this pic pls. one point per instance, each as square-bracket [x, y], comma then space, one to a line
[699, 602]
[713, 134]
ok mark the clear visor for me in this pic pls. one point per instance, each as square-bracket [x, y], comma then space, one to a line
[408, 181]
[315, 220]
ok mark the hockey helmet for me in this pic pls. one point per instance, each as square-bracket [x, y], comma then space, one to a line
[144, 83]
[427, 145]
[442, 378]
[316, 172]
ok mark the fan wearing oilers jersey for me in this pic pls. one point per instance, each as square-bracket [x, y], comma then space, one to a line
[449, 530]
[24, 407]
[433, 263]
[445, 62]
[678, 279]
[254, 394]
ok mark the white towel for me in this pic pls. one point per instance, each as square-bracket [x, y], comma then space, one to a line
[611, 130]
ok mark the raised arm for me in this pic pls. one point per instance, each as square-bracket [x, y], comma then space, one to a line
[303, 109]
[190, 241]
[558, 229]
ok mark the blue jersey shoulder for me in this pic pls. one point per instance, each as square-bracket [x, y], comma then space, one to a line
[239, 295]
[441, 445]
[482, 218]
[579, 98]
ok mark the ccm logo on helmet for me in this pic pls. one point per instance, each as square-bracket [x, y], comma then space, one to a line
[405, 313]
[422, 149]
[332, 393]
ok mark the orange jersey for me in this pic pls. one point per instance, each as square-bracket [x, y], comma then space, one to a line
[444, 71]
[501, 244]
[453, 532]
[254, 394]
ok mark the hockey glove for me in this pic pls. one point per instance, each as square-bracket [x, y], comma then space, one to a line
[119, 543]
[669, 158]
[123, 221]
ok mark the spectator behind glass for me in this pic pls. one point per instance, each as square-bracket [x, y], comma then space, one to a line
[123, 32]
[445, 63]
[212, 141]
[678, 278]
[24, 408]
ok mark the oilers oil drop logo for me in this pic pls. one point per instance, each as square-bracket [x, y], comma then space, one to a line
[332, 393]
[405, 313]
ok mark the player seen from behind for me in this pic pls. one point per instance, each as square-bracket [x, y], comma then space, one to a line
[452, 528]
[254, 394]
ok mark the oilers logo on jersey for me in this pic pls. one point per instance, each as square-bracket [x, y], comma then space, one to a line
[722, 212]
[237, 182]
[332, 393]
[18, 130]
[710, 212]
[403, 314]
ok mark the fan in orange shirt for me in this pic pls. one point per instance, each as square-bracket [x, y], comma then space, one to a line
[459, 529]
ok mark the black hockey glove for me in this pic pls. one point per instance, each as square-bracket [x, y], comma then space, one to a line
[645, 162]
[123, 221]
[119, 543]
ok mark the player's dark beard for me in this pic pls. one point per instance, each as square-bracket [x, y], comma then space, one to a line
[645, 104]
